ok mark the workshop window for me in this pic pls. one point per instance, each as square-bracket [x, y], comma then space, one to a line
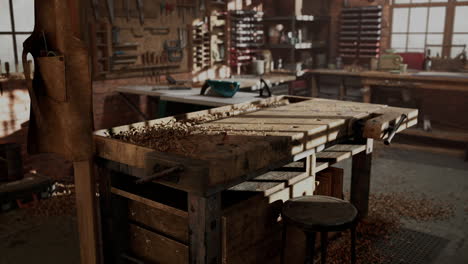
[16, 24]
[438, 25]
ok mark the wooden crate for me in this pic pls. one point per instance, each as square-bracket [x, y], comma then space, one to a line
[159, 233]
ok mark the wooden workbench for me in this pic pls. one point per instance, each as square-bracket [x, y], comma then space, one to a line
[420, 80]
[243, 141]
[193, 96]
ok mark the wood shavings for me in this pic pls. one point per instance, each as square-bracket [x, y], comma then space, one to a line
[61, 203]
[384, 219]
[170, 136]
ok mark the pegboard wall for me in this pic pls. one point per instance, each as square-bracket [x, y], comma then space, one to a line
[133, 44]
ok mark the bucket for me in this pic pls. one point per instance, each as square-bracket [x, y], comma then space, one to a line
[11, 163]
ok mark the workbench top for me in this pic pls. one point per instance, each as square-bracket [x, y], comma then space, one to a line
[221, 146]
[191, 96]
[415, 76]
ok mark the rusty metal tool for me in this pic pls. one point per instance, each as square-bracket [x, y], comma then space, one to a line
[95, 5]
[394, 129]
[110, 10]
[141, 13]
[158, 30]
[127, 9]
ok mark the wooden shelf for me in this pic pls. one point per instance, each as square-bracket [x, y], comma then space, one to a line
[298, 46]
[303, 18]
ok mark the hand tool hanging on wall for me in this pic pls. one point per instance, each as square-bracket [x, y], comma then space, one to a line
[95, 5]
[158, 30]
[110, 10]
[174, 50]
[141, 11]
[127, 9]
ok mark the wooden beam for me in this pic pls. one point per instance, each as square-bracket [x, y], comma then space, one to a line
[360, 179]
[86, 201]
[204, 229]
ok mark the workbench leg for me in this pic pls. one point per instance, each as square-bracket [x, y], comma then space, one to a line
[162, 108]
[86, 201]
[366, 94]
[204, 229]
[360, 179]
[314, 84]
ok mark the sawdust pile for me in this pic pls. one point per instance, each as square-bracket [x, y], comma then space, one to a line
[61, 203]
[168, 136]
[384, 219]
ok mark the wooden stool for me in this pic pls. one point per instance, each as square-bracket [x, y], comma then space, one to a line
[323, 214]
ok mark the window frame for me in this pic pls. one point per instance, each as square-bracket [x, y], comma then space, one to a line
[13, 33]
[450, 6]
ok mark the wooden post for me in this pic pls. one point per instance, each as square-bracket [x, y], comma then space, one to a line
[314, 82]
[204, 229]
[360, 179]
[366, 94]
[85, 187]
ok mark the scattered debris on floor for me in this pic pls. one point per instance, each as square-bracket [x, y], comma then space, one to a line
[61, 203]
[385, 214]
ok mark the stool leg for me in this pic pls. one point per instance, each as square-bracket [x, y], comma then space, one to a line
[283, 242]
[310, 248]
[353, 245]
[323, 246]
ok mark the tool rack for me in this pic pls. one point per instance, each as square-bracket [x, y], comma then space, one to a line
[187, 215]
[360, 33]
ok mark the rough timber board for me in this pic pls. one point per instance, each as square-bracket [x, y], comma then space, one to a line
[290, 177]
[235, 154]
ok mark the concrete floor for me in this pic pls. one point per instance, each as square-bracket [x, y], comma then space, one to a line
[25, 240]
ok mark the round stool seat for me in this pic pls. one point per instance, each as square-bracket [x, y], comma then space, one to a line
[319, 213]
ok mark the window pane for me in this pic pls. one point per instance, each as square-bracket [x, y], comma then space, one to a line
[461, 19]
[436, 19]
[436, 51]
[460, 39]
[7, 52]
[401, 1]
[435, 39]
[19, 44]
[5, 20]
[455, 52]
[399, 41]
[400, 20]
[439, 1]
[416, 41]
[23, 11]
[418, 19]
[420, 1]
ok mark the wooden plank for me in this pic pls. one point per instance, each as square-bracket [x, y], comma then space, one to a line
[264, 120]
[332, 156]
[288, 177]
[360, 179]
[204, 229]
[282, 195]
[304, 187]
[86, 210]
[149, 203]
[247, 224]
[354, 149]
[266, 188]
[155, 248]
[320, 166]
[377, 127]
[309, 129]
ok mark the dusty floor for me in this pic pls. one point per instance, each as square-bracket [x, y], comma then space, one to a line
[36, 239]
